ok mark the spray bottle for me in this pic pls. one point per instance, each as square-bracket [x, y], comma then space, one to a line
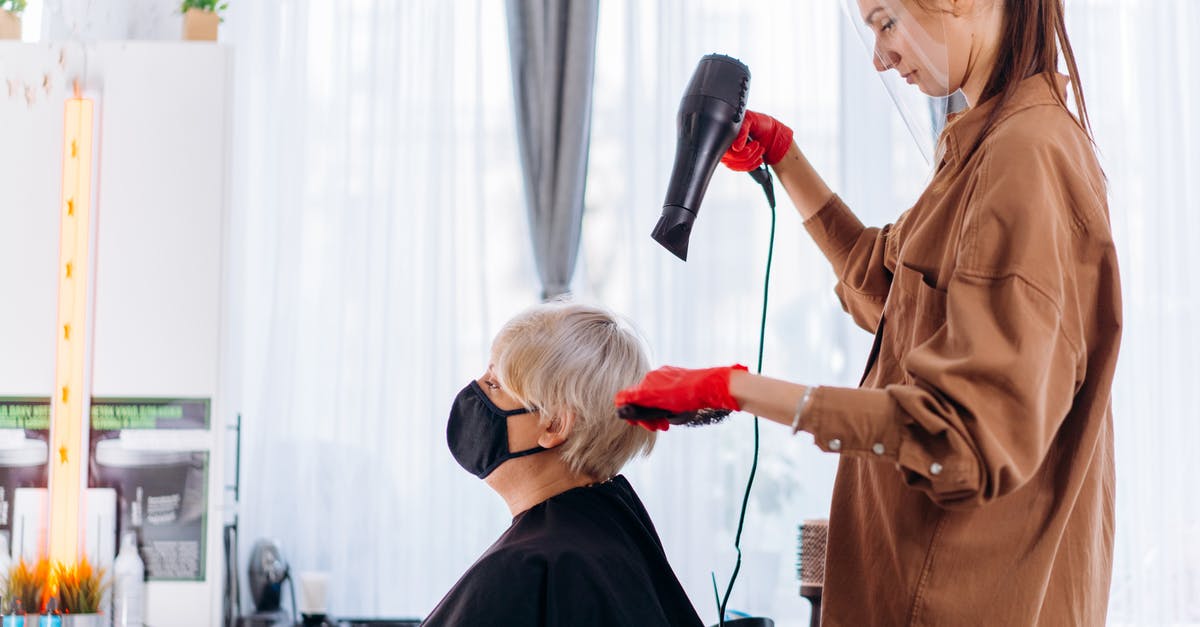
[129, 585]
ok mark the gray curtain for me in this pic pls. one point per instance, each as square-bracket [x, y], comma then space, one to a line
[553, 49]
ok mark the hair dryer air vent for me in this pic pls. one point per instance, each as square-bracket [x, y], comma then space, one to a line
[710, 116]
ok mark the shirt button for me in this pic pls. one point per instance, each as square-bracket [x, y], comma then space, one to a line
[878, 448]
[935, 468]
[835, 445]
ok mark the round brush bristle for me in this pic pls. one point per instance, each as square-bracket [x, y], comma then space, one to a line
[700, 418]
[814, 535]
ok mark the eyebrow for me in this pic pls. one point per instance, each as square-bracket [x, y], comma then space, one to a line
[871, 15]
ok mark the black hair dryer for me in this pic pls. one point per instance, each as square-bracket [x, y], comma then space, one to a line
[710, 116]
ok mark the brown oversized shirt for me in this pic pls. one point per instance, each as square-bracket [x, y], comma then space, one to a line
[976, 481]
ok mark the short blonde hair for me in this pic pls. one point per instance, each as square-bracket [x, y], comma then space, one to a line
[568, 357]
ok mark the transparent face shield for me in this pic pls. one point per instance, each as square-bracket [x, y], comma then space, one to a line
[906, 41]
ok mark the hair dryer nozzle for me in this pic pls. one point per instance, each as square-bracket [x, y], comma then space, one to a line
[710, 116]
[673, 230]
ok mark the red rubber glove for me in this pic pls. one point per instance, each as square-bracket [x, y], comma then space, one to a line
[678, 391]
[761, 138]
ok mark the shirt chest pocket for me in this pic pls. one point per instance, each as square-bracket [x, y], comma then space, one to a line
[914, 311]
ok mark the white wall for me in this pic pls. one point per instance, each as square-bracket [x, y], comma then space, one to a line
[162, 135]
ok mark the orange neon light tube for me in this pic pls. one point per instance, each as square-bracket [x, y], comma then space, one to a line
[67, 420]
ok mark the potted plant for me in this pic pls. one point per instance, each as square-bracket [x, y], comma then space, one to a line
[25, 585]
[81, 591]
[10, 18]
[200, 18]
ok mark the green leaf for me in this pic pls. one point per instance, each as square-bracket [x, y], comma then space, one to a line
[16, 7]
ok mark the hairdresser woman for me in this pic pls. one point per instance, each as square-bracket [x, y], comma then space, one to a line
[975, 485]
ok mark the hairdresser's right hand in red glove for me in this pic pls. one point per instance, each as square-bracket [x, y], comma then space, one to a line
[671, 391]
[761, 138]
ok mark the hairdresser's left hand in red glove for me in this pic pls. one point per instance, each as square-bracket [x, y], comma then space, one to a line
[671, 395]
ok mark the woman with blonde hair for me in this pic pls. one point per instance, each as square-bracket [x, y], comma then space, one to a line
[540, 428]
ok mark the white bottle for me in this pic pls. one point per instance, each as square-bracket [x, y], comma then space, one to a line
[5, 553]
[129, 586]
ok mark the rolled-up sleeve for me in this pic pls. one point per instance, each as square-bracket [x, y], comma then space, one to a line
[859, 257]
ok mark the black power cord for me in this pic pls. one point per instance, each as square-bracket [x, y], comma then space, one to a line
[761, 175]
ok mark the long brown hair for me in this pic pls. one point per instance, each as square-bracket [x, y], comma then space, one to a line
[1033, 33]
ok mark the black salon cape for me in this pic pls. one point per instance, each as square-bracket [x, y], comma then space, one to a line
[588, 556]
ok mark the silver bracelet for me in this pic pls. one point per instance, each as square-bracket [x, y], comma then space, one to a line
[801, 406]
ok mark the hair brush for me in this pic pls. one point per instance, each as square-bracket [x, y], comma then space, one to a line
[696, 418]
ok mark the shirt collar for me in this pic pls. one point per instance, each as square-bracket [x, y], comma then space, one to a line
[963, 127]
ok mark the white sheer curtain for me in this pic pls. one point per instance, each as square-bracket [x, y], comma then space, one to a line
[1140, 66]
[380, 242]
[707, 311]
[379, 239]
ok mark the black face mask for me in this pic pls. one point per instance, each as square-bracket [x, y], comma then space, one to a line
[477, 432]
